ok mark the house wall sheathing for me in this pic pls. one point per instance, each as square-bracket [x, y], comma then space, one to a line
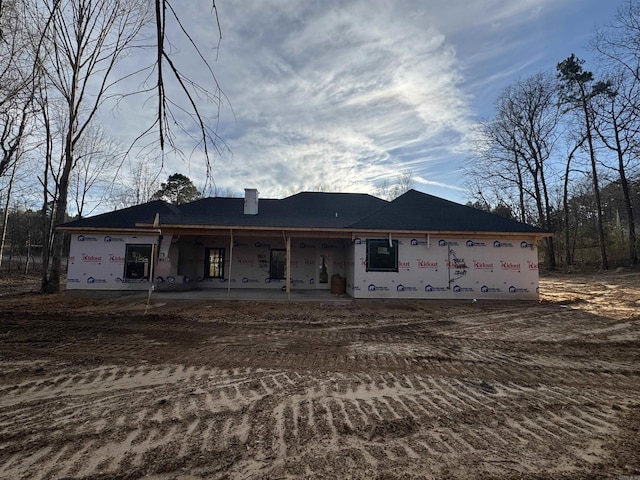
[451, 268]
[436, 267]
[97, 261]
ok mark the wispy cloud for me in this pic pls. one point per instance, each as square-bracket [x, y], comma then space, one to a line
[337, 92]
[341, 95]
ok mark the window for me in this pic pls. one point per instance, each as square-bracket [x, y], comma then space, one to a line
[278, 266]
[137, 264]
[382, 256]
[214, 263]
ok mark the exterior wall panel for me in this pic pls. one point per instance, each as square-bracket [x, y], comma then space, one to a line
[451, 268]
[96, 262]
[437, 268]
[349, 268]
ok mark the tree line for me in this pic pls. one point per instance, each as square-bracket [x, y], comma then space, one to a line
[563, 150]
[22, 237]
[62, 63]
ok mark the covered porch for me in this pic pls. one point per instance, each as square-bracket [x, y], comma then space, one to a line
[230, 260]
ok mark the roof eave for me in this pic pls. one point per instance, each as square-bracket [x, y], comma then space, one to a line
[474, 233]
[135, 230]
[347, 230]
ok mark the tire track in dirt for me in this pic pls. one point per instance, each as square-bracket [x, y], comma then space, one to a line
[134, 413]
[455, 359]
[198, 415]
[416, 390]
[380, 411]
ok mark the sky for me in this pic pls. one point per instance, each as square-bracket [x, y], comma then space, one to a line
[342, 95]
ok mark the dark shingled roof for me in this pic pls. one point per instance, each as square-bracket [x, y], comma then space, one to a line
[126, 217]
[420, 211]
[303, 210]
[411, 211]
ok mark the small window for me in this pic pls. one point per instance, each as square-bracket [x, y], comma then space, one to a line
[278, 266]
[137, 265]
[382, 256]
[214, 263]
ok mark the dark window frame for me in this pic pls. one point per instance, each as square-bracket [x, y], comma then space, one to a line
[376, 258]
[135, 270]
[220, 263]
[275, 268]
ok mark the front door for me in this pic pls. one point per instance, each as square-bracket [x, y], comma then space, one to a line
[322, 271]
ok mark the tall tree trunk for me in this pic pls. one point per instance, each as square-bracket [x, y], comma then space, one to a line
[46, 232]
[60, 213]
[550, 259]
[633, 251]
[549, 254]
[565, 206]
[604, 263]
[46, 221]
[5, 220]
[521, 204]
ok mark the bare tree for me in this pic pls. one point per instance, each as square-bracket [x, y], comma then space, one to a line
[568, 251]
[17, 93]
[170, 112]
[618, 46]
[70, 49]
[97, 156]
[136, 186]
[118, 24]
[496, 175]
[389, 191]
[619, 43]
[17, 84]
[576, 93]
[383, 189]
[228, 192]
[145, 180]
[5, 215]
[83, 42]
[517, 148]
[404, 182]
[618, 127]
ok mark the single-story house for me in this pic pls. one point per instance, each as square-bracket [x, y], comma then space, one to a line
[416, 246]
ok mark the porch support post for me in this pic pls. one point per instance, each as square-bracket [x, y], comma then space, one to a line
[154, 260]
[230, 262]
[288, 279]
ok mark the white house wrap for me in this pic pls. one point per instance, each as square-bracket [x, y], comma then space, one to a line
[416, 246]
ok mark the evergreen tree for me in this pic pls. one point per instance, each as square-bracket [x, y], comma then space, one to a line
[178, 189]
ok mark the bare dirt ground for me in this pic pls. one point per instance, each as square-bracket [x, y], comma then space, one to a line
[94, 389]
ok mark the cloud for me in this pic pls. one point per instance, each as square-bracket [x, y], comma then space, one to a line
[342, 95]
[330, 93]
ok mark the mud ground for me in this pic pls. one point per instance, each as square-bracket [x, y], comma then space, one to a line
[96, 389]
